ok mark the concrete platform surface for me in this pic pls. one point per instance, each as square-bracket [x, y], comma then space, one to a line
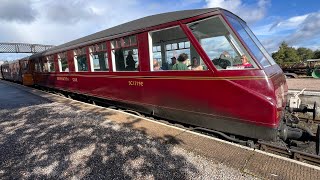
[301, 83]
[11, 96]
[71, 139]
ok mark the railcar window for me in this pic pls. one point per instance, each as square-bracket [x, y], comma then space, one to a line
[63, 62]
[225, 52]
[37, 65]
[99, 57]
[166, 45]
[125, 54]
[50, 63]
[44, 64]
[249, 42]
[80, 59]
[25, 65]
[258, 43]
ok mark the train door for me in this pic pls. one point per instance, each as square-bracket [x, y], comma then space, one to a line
[179, 74]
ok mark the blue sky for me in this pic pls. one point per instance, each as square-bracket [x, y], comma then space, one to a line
[55, 22]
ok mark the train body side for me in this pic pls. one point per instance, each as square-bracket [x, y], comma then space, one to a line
[241, 102]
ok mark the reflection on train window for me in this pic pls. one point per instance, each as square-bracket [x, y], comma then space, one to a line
[37, 65]
[220, 45]
[250, 43]
[44, 65]
[63, 62]
[25, 65]
[167, 45]
[80, 59]
[125, 54]
[99, 57]
[50, 63]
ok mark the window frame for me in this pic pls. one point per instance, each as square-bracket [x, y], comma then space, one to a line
[150, 45]
[82, 52]
[119, 43]
[93, 49]
[239, 44]
[50, 58]
[244, 43]
[63, 56]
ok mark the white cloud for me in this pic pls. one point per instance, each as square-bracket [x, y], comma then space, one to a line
[248, 12]
[297, 31]
[17, 10]
[308, 30]
[290, 23]
[57, 22]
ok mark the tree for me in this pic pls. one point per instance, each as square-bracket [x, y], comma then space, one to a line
[305, 53]
[316, 54]
[286, 54]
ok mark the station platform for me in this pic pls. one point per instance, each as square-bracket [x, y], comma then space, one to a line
[309, 83]
[44, 142]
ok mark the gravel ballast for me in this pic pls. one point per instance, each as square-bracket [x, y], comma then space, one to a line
[54, 140]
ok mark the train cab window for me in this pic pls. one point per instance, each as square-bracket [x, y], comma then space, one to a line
[166, 45]
[99, 57]
[63, 62]
[80, 59]
[252, 42]
[50, 63]
[217, 40]
[125, 55]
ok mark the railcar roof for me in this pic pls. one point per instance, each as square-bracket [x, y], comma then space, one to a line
[142, 23]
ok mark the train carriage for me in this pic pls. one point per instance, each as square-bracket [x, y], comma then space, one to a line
[11, 71]
[18, 71]
[202, 67]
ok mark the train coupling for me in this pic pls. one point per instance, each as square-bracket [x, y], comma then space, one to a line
[295, 105]
[299, 132]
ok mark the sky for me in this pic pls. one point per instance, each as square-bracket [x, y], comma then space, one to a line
[54, 22]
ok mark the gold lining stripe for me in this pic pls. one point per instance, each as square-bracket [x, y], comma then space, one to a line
[169, 77]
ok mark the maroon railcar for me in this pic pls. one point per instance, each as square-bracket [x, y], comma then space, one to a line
[18, 71]
[229, 83]
[12, 71]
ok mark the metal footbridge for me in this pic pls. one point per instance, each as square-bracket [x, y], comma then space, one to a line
[23, 48]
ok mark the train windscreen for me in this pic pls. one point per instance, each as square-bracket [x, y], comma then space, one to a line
[252, 42]
[221, 46]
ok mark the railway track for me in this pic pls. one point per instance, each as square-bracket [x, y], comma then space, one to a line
[290, 153]
[308, 120]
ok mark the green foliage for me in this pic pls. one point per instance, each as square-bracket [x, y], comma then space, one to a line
[290, 55]
[316, 54]
[305, 53]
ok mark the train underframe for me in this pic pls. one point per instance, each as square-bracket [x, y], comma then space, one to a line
[291, 127]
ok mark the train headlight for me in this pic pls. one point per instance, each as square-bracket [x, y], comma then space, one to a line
[280, 96]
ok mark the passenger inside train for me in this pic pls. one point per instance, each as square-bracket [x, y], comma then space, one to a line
[195, 65]
[182, 62]
[245, 62]
[156, 65]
